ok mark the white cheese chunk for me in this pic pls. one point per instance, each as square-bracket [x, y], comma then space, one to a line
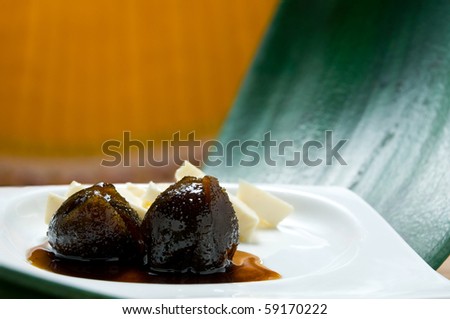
[54, 201]
[247, 218]
[270, 209]
[187, 169]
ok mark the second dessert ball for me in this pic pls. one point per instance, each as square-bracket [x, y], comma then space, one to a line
[191, 228]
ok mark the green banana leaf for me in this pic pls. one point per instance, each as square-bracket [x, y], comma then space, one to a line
[377, 75]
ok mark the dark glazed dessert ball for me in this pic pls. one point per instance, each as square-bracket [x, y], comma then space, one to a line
[191, 228]
[96, 223]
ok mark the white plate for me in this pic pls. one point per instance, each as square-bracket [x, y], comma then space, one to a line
[334, 246]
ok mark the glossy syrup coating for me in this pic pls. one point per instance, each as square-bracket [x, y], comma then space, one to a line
[96, 224]
[191, 228]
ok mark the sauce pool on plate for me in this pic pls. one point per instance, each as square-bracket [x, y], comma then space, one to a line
[245, 267]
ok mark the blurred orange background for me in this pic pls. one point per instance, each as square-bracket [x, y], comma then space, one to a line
[74, 74]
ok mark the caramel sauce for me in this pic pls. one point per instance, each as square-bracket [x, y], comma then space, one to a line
[246, 267]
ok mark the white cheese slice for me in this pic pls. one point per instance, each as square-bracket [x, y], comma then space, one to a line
[138, 191]
[54, 201]
[270, 209]
[134, 201]
[247, 218]
[74, 187]
[187, 169]
[153, 190]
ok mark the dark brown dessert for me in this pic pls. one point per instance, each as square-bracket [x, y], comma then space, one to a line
[189, 236]
[95, 224]
[191, 228]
